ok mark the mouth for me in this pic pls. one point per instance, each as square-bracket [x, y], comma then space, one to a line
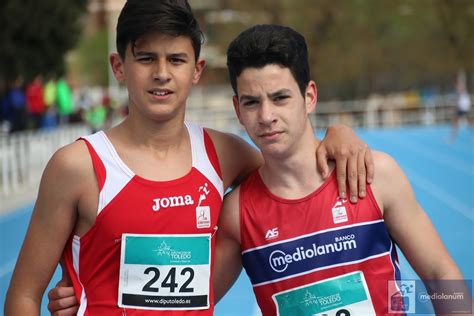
[269, 135]
[160, 92]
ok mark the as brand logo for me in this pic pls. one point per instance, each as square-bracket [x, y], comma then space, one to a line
[272, 233]
[172, 201]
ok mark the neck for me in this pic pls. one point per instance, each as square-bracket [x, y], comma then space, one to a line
[295, 175]
[153, 135]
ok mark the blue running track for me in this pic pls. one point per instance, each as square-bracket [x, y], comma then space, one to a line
[441, 173]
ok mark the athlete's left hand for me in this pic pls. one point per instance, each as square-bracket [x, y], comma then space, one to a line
[354, 163]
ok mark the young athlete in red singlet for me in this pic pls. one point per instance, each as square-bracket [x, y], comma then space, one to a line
[169, 271]
[134, 209]
[305, 250]
[299, 243]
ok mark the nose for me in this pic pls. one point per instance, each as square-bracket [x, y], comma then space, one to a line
[161, 72]
[266, 113]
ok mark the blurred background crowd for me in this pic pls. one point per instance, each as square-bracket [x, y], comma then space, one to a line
[46, 105]
[401, 61]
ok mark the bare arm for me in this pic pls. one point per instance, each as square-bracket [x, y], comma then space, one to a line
[409, 225]
[227, 265]
[237, 158]
[51, 224]
[413, 231]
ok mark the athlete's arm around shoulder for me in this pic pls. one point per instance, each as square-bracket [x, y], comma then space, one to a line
[53, 219]
[227, 264]
[236, 157]
[408, 224]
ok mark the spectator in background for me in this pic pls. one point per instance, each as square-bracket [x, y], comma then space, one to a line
[14, 106]
[106, 101]
[35, 101]
[82, 102]
[64, 101]
[50, 97]
[463, 107]
[50, 93]
[108, 107]
[95, 116]
[4, 124]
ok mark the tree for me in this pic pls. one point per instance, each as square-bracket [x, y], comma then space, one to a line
[362, 46]
[92, 62]
[36, 35]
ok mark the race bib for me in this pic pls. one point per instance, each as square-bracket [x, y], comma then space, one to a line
[165, 272]
[343, 295]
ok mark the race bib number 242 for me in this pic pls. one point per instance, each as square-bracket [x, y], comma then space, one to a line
[165, 272]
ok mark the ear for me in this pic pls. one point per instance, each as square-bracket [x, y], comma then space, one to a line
[200, 64]
[117, 66]
[311, 96]
[235, 101]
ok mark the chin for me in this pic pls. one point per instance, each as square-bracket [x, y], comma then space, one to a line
[274, 151]
[163, 116]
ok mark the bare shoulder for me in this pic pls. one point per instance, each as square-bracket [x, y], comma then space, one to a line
[72, 159]
[69, 171]
[390, 185]
[383, 163]
[67, 179]
[385, 168]
[236, 157]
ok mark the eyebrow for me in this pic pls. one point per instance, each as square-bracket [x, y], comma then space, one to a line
[280, 93]
[143, 53]
[247, 97]
[174, 55]
[179, 55]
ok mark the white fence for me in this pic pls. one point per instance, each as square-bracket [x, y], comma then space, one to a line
[24, 155]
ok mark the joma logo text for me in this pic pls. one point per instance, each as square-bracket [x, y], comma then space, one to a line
[172, 201]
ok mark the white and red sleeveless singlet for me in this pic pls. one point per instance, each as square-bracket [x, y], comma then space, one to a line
[150, 250]
[318, 255]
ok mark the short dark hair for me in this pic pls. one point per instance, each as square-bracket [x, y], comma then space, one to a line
[171, 17]
[267, 44]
